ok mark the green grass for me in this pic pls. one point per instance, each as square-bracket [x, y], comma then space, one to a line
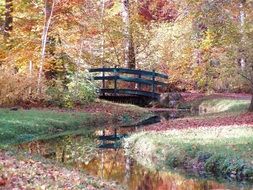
[226, 151]
[21, 126]
[223, 150]
[26, 125]
[211, 105]
[223, 105]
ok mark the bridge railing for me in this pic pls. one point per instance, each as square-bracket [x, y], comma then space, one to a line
[116, 74]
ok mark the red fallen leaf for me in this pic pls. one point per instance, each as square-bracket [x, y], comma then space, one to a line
[3, 182]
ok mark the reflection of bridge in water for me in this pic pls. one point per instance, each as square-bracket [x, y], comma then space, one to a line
[111, 137]
[129, 85]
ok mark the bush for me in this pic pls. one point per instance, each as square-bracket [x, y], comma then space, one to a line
[80, 89]
[17, 88]
[214, 164]
[56, 93]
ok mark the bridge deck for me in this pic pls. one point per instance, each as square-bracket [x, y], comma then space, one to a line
[139, 78]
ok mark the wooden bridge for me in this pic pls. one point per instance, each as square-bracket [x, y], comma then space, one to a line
[128, 85]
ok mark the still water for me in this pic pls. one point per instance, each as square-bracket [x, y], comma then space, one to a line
[113, 164]
[110, 163]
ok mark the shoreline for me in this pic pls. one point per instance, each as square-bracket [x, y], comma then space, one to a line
[218, 142]
[22, 170]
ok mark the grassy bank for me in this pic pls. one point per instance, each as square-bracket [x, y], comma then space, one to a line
[20, 170]
[26, 125]
[217, 104]
[226, 151]
[219, 140]
[223, 105]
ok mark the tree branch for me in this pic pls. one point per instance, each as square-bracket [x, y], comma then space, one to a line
[247, 78]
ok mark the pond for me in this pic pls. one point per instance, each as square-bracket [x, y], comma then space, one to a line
[111, 163]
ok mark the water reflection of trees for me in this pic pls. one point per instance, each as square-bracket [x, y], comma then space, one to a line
[64, 149]
[109, 164]
[166, 181]
[112, 164]
[116, 166]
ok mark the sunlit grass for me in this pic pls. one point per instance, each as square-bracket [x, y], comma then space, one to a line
[222, 147]
[223, 105]
[212, 104]
[25, 125]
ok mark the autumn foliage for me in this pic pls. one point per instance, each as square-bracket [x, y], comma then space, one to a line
[202, 45]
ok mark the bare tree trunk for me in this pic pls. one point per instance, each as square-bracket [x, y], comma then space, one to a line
[129, 53]
[102, 30]
[197, 56]
[80, 54]
[242, 60]
[47, 23]
[251, 103]
[8, 18]
[30, 76]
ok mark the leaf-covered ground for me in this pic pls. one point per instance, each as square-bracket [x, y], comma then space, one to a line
[211, 121]
[24, 172]
[220, 110]
[196, 96]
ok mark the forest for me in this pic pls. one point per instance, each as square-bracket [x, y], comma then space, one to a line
[57, 133]
[47, 46]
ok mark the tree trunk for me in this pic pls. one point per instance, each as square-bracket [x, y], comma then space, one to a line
[129, 53]
[30, 76]
[242, 60]
[44, 40]
[8, 18]
[102, 2]
[251, 103]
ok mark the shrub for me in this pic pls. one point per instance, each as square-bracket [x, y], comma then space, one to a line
[79, 89]
[214, 163]
[17, 88]
[55, 92]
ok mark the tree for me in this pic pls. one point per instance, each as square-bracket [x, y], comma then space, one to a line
[48, 11]
[8, 18]
[245, 57]
[251, 105]
[129, 52]
[242, 17]
[102, 2]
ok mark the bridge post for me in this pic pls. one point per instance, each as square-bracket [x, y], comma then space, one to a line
[139, 85]
[153, 84]
[115, 80]
[103, 74]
